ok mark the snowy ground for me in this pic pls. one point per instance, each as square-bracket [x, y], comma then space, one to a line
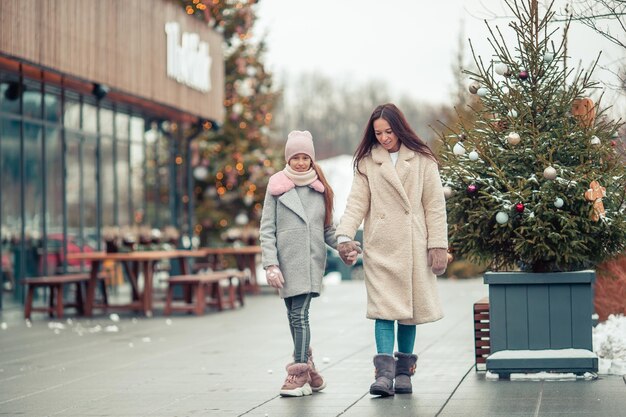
[609, 343]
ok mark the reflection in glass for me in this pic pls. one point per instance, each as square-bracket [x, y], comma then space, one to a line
[71, 118]
[122, 171]
[107, 183]
[10, 176]
[89, 118]
[106, 121]
[54, 180]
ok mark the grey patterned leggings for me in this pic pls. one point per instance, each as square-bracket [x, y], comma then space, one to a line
[298, 315]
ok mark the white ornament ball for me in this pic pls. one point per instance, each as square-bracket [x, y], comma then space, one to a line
[501, 68]
[549, 173]
[482, 92]
[502, 217]
[200, 173]
[473, 156]
[458, 149]
[447, 192]
[595, 140]
[512, 113]
[238, 108]
[548, 57]
[513, 138]
[505, 90]
[558, 203]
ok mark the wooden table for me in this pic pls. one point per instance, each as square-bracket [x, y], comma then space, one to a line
[134, 263]
[245, 256]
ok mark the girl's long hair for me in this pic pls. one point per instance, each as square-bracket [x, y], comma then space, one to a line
[399, 125]
[329, 195]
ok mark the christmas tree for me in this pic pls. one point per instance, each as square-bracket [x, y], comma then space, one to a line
[233, 162]
[535, 179]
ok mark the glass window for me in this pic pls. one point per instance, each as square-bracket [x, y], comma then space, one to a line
[71, 118]
[33, 194]
[107, 183]
[137, 157]
[89, 118]
[122, 170]
[32, 100]
[52, 107]
[10, 177]
[74, 185]
[122, 121]
[106, 121]
[54, 180]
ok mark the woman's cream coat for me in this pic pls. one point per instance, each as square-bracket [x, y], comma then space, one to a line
[404, 213]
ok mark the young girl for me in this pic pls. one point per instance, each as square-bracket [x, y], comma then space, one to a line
[296, 226]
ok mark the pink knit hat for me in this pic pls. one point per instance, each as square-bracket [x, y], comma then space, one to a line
[299, 142]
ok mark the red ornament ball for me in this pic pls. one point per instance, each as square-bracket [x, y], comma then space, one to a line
[519, 207]
[523, 75]
[471, 189]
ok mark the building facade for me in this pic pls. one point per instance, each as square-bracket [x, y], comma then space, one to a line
[99, 101]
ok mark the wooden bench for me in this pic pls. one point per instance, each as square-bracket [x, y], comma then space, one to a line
[55, 284]
[482, 344]
[198, 286]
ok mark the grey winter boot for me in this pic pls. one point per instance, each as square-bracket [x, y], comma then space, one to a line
[317, 381]
[385, 371]
[297, 382]
[405, 368]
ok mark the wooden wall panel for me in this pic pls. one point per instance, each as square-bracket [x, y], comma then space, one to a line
[120, 43]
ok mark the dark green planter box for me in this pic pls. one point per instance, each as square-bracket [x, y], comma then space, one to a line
[541, 322]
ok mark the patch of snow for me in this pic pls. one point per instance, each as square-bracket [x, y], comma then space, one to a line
[609, 343]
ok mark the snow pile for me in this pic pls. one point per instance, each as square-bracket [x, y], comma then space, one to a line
[609, 343]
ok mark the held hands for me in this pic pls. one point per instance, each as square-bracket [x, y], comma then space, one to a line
[274, 276]
[438, 260]
[348, 251]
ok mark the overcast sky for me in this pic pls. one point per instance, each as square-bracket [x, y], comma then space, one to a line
[409, 44]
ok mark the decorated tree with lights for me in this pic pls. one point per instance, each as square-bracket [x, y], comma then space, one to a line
[233, 162]
[535, 180]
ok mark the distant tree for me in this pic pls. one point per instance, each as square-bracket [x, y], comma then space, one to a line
[336, 112]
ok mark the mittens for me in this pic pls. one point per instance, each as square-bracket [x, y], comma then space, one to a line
[274, 276]
[438, 260]
[348, 251]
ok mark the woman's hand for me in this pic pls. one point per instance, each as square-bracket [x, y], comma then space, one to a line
[438, 260]
[348, 251]
[274, 276]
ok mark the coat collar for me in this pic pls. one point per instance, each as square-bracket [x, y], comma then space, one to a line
[292, 201]
[395, 175]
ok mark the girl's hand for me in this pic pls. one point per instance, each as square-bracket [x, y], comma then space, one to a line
[274, 276]
[348, 251]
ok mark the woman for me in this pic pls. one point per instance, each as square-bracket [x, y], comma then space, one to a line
[397, 192]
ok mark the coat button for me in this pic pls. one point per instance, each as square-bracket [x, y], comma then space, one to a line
[406, 212]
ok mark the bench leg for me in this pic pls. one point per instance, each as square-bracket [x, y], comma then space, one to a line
[28, 306]
[168, 300]
[240, 290]
[59, 300]
[200, 298]
[217, 294]
[80, 305]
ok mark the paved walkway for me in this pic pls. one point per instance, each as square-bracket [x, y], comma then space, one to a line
[232, 364]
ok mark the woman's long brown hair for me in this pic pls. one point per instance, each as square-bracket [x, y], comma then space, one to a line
[329, 195]
[399, 125]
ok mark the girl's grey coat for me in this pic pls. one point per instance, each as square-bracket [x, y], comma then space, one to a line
[405, 215]
[293, 237]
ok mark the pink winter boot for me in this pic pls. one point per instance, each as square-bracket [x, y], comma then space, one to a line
[297, 382]
[317, 381]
